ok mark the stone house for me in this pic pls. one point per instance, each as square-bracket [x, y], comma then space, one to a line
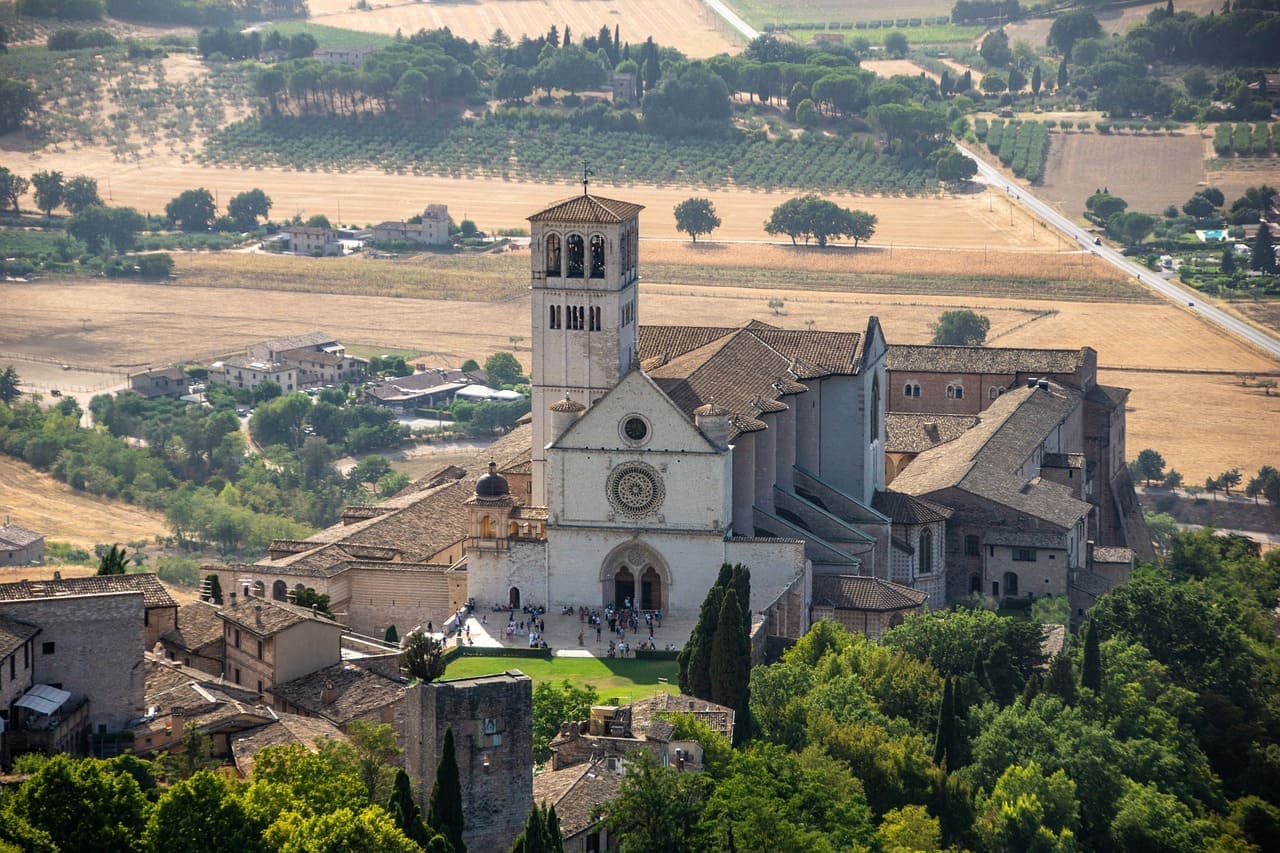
[312, 240]
[159, 613]
[270, 643]
[20, 546]
[166, 382]
[317, 358]
[492, 723]
[966, 380]
[245, 373]
[576, 791]
[432, 230]
[344, 692]
[17, 650]
[865, 605]
[197, 638]
[433, 388]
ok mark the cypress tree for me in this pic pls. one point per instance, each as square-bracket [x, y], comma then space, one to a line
[1062, 679]
[215, 589]
[444, 811]
[533, 839]
[553, 831]
[1263, 255]
[405, 812]
[1091, 669]
[1036, 81]
[741, 581]
[695, 656]
[1062, 74]
[944, 738]
[730, 664]
[1228, 261]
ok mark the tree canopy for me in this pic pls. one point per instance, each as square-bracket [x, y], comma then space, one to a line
[812, 218]
[696, 216]
[960, 327]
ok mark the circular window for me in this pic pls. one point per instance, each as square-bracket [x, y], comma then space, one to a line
[635, 429]
[635, 489]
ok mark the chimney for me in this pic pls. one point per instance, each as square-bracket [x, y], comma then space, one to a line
[1031, 382]
[713, 420]
[177, 723]
[233, 599]
[257, 614]
[246, 590]
[57, 575]
[1043, 384]
[328, 694]
[1088, 554]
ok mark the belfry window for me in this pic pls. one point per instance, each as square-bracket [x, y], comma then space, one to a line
[554, 320]
[575, 262]
[597, 256]
[594, 318]
[553, 255]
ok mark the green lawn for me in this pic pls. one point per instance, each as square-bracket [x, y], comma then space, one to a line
[331, 37]
[626, 680]
[943, 34]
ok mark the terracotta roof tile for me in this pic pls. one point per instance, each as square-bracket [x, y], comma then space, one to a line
[13, 634]
[1008, 360]
[588, 210]
[906, 509]
[916, 433]
[265, 618]
[340, 693]
[861, 592]
[198, 626]
[575, 792]
[1025, 538]
[153, 592]
[18, 536]
[285, 730]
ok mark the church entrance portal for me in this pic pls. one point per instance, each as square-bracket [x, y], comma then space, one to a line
[634, 575]
[513, 598]
[650, 590]
[624, 589]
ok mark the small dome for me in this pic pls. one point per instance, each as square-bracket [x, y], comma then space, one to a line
[711, 410]
[567, 405]
[493, 484]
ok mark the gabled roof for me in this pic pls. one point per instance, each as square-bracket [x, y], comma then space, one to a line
[1016, 538]
[307, 339]
[153, 592]
[1005, 360]
[862, 592]
[987, 459]
[339, 693]
[905, 509]
[266, 618]
[746, 370]
[286, 729]
[916, 433]
[13, 634]
[588, 209]
[17, 536]
[575, 792]
[198, 627]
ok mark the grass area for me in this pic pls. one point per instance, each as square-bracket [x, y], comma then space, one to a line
[21, 243]
[945, 34]
[623, 679]
[762, 12]
[331, 37]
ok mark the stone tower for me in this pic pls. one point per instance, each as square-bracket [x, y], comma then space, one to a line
[585, 276]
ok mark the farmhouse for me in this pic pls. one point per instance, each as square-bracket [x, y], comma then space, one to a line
[317, 357]
[246, 373]
[433, 388]
[20, 546]
[268, 642]
[312, 240]
[167, 382]
[431, 229]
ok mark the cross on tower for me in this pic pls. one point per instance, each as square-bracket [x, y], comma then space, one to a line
[586, 174]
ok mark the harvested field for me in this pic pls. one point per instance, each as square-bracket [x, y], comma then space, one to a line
[372, 196]
[41, 503]
[1036, 31]
[1149, 172]
[890, 67]
[686, 25]
[1234, 176]
[1148, 347]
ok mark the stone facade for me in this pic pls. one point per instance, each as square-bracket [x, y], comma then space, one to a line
[92, 646]
[268, 643]
[492, 723]
[20, 546]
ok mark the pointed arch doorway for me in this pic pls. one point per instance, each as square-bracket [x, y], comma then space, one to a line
[637, 576]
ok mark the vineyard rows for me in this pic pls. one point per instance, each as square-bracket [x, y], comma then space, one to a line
[553, 149]
[1259, 140]
[1022, 146]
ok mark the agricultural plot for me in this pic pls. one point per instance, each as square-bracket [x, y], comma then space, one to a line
[540, 148]
[763, 12]
[686, 25]
[1150, 172]
[1244, 140]
[1114, 20]
[1022, 146]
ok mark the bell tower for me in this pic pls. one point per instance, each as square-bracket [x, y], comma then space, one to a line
[585, 277]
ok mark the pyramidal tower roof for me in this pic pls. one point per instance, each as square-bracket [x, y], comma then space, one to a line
[588, 210]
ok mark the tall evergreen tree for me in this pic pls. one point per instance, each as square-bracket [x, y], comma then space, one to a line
[1263, 253]
[1091, 667]
[444, 811]
[541, 832]
[405, 812]
[1062, 679]
[944, 738]
[730, 664]
[694, 657]
[1062, 74]
[740, 579]
[1036, 81]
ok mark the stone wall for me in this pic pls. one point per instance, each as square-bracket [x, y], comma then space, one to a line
[492, 722]
[91, 645]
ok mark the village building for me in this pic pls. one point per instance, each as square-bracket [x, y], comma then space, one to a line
[433, 388]
[17, 650]
[20, 546]
[248, 374]
[166, 382]
[431, 229]
[315, 358]
[344, 692]
[311, 240]
[342, 55]
[197, 639]
[269, 643]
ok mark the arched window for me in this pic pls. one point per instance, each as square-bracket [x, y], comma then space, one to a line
[513, 597]
[573, 269]
[1010, 583]
[486, 527]
[975, 582]
[875, 407]
[553, 318]
[553, 255]
[911, 390]
[996, 392]
[955, 392]
[279, 590]
[259, 589]
[926, 553]
[597, 256]
[513, 529]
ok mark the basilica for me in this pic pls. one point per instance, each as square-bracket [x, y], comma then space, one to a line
[654, 454]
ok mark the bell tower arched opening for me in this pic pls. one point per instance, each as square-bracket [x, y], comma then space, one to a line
[577, 251]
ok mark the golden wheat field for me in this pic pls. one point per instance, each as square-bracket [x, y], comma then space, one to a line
[686, 25]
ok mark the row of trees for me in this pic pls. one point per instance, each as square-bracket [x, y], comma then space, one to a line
[812, 218]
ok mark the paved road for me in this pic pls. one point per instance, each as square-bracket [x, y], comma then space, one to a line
[1188, 299]
[732, 19]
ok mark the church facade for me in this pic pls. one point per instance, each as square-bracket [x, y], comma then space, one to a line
[661, 452]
